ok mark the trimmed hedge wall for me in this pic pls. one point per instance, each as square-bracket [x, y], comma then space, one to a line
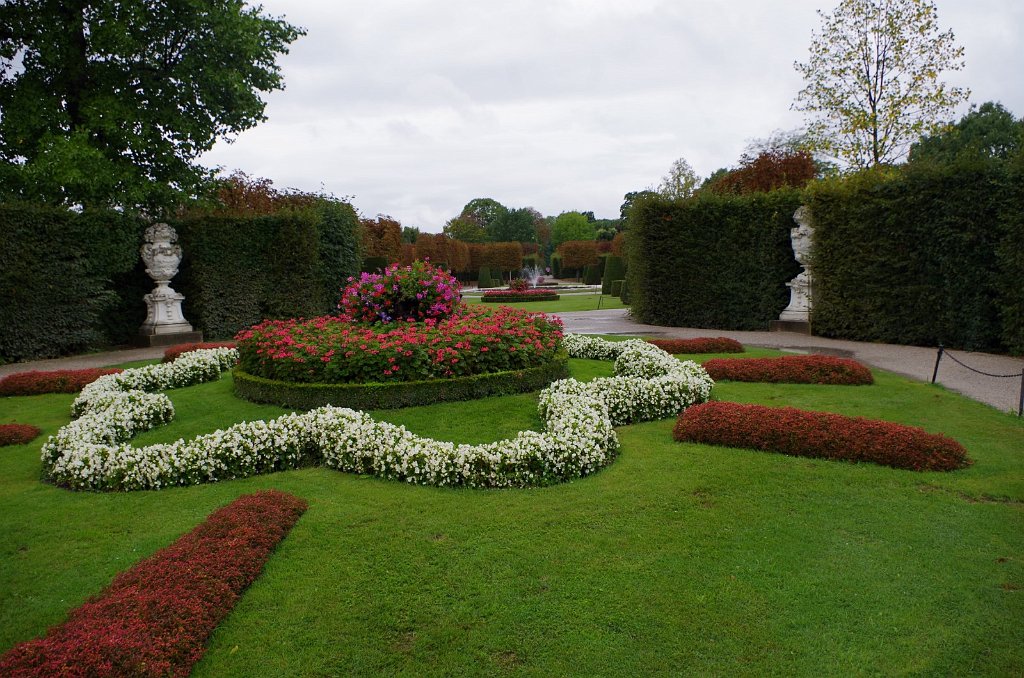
[56, 273]
[931, 254]
[714, 262]
[614, 269]
[240, 270]
[399, 394]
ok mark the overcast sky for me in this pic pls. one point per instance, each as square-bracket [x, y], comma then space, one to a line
[415, 107]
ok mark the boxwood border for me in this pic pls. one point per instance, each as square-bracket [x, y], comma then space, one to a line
[386, 396]
[511, 298]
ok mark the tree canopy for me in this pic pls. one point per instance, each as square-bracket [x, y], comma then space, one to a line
[517, 224]
[111, 102]
[571, 226]
[680, 182]
[872, 82]
[989, 132]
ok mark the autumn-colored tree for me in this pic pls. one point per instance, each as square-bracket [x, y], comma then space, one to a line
[619, 244]
[382, 237]
[872, 80]
[578, 253]
[242, 195]
[408, 254]
[503, 256]
[768, 171]
[476, 255]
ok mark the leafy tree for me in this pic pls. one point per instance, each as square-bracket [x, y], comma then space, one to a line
[571, 226]
[106, 102]
[872, 81]
[465, 228]
[627, 203]
[768, 171]
[680, 182]
[410, 234]
[515, 225]
[988, 132]
[484, 210]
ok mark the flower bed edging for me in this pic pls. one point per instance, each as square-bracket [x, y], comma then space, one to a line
[155, 618]
[17, 434]
[55, 381]
[819, 434]
[791, 369]
[172, 354]
[93, 451]
[303, 396]
[698, 345]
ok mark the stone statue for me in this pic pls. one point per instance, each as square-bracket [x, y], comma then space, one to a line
[800, 294]
[162, 254]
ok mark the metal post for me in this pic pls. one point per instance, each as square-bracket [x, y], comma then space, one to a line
[600, 298]
[1020, 403]
[935, 372]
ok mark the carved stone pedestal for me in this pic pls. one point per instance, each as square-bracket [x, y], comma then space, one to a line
[165, 325]
[798, 326]
[797, 316]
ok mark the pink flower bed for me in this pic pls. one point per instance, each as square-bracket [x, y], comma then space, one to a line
[334, 350]
[17, 434]
[417, 292]
[155, 618]
[819, 434]
[55, 381]
[791, 369]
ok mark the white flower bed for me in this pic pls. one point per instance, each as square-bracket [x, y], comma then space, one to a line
[93, 452]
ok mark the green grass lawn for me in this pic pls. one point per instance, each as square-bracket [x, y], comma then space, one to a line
[574, 301]
[676, 559]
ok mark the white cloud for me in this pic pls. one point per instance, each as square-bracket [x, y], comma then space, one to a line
[416, 107]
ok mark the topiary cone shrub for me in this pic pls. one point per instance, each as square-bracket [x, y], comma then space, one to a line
[791, 369]
[822, 435]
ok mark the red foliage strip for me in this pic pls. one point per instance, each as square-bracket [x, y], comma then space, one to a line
[819, 434]
[57, 381]
[17, 434]
[532, 292]
[791, 369]
[154, 619]
[172, 354]
[698, 345]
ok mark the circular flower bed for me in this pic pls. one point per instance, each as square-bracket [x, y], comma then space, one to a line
[94, 452]
[507, 296]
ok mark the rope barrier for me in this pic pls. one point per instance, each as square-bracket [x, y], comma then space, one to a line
[942, 352]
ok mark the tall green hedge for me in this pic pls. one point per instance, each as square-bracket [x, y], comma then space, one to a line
[713, 262]
[57, 269]
[614, 269]
[239, 270]
[926, 255]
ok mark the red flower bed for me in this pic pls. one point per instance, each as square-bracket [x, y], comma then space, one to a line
[332, 350]
[698, 345]
[154, 619]
[790, 369]
[171, 354]
[17, 434]
[532, 292]
[819, 434]
[57, 381]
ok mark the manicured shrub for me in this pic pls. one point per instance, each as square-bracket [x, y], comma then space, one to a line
[592, 275]
[614, 269]
[17, 434]
[484, 278]
[819, 434]
[616, 288]
[714, 261]
[171, 354]
[55, 381]
[401, 294]
[791, 369]
[56, 268]
[155, 618]
[375, 264]
[332, 350]
[920, 256]
[509, 296]
[698, 345]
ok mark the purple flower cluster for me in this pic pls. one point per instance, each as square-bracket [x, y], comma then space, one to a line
[402, 293]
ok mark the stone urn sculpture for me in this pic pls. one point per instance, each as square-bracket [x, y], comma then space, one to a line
[797, 316]
[165, 324]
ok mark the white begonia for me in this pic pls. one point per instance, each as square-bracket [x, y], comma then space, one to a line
[93, 452]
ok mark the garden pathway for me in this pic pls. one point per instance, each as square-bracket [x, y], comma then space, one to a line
[911, 361]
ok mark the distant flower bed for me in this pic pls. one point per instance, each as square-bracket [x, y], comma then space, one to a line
[333, 350]
[17, 434]
[791, 369]
[511, 295]
[698, 345]
[56, 381]
[819, 434]
[171, 354]
[155, 618]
